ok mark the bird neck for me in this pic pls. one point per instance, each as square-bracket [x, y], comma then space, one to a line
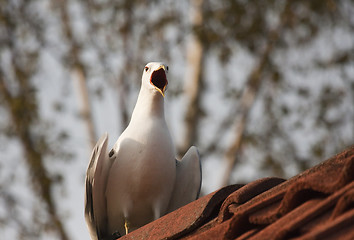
[149, 104]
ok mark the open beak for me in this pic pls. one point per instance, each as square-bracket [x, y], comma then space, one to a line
[159, 80]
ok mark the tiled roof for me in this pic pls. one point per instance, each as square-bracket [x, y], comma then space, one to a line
[316, 204]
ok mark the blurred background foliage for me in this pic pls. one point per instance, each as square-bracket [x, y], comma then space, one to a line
[263, 88]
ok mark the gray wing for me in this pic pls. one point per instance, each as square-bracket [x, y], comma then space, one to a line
[188, 180]
[96, 177]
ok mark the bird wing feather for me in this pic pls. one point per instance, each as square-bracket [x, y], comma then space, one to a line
[188, 180]
[96, 177]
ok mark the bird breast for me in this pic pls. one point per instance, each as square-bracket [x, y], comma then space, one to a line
[144, 160]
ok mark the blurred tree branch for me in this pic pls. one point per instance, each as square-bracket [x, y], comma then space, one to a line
[23, 110]
[78, 72]
[18, 95]
[249, 94]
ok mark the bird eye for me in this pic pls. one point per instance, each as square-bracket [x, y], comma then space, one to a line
[167, 68]
[146, 69]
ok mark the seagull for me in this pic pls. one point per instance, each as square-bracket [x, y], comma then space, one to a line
[139, 179]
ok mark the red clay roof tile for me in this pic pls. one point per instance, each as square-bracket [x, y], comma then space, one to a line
[316, 204]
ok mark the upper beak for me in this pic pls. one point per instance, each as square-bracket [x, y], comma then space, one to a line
[164, 88]
[159, 80]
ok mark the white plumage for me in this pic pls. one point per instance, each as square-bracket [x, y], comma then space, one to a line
[139, 180]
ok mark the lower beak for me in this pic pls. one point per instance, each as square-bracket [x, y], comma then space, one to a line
[161, 91]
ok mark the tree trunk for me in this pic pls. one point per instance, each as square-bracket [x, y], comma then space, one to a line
[193, 80]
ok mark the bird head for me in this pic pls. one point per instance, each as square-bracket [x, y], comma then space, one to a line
[155, 77]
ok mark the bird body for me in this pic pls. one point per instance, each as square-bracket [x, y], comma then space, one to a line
[148, 144]
[134, 183]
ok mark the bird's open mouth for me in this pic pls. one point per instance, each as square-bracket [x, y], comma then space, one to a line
[159, 80]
